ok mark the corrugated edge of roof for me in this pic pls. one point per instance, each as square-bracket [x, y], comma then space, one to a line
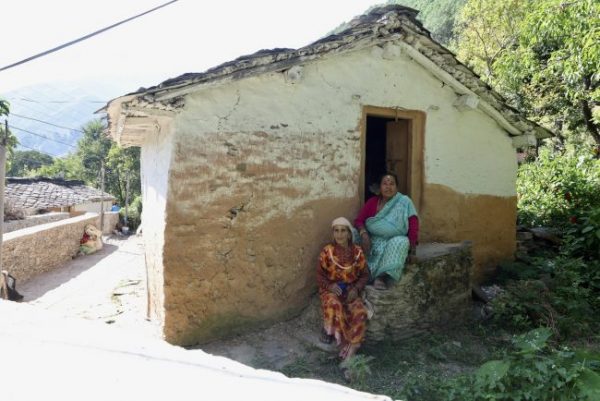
[364, 25]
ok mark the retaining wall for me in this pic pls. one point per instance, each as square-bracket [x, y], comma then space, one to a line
[33, 250]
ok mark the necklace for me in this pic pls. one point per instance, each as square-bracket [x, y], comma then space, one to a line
[349, 251]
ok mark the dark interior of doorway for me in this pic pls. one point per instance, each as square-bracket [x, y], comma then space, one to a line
[386, 150]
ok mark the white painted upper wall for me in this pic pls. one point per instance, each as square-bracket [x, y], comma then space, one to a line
[466, 151]
[93, 206]
[155, 163]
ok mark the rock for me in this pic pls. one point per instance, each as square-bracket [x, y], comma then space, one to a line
[524, 236]
[479, 294]
[546, 234]
[432, 293]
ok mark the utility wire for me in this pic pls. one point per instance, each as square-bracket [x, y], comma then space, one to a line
[60, 101]
[46, 122]
[44, 114]
[42, 136]
[84, 37]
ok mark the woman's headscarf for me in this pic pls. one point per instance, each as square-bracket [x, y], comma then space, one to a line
[342, 221]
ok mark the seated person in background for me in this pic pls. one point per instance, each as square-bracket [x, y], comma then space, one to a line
[91, 240]
[389, 229]
[341, 276]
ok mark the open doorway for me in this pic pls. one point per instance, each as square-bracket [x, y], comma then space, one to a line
[393, 141]
[387, 149]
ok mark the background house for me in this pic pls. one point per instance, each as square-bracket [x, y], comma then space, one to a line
[48, 196]
[244, 166]
[34, 195]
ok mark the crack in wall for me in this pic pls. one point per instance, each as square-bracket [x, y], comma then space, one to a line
[224, 118]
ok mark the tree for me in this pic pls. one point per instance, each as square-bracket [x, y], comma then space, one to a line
[437, 16]
[23, 162]
[123, 163]
[11, 140]
[92, 150]
[542, 55]
[4, 108]
[95, 149]
[486, 30]
[68, 167]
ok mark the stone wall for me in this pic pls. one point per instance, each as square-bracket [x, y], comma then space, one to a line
[33, 250]
[433, 292]
[34, 220]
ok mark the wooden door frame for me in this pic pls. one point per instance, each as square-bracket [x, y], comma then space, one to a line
[416, 152]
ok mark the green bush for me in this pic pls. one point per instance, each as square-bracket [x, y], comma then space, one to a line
[582, 237]
[533, 372]
[562, 293]
[558, 188]
[134, 213]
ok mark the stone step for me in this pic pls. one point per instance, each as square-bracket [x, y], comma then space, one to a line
[433, 292]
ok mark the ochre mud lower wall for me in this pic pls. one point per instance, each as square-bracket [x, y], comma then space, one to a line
[488, 221]
[245, 223]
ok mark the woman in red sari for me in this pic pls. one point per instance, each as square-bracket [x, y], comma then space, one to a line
[342, 275]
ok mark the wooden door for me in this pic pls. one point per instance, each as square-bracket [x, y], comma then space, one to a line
[397, 152]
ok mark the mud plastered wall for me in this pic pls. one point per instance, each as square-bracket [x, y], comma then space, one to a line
[261, 166]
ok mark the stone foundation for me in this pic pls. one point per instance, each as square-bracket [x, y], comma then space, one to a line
[432, 293]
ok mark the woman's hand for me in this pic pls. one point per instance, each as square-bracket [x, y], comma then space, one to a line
[352, 295]
[334, 288]
[365, 241]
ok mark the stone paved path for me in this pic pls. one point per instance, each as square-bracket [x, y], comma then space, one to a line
[109, 285]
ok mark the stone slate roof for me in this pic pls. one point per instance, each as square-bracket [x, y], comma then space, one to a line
[45, 193]
[377, 27]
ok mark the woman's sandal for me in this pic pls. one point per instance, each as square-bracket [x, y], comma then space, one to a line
[325, 338]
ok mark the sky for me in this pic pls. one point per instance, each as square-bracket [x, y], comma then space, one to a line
[186, 36]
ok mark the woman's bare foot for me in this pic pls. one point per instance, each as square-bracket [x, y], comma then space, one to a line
[352, 349]
[344, 351]
[379, 284]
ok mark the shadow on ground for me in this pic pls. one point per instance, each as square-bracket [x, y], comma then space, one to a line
[39, 285]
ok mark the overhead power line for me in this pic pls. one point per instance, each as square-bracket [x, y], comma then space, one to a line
[42, 136]
[61, 101]
[84, 37]
[46, 122]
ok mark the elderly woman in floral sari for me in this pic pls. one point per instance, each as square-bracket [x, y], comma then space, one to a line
[341, 276]
[389, 230]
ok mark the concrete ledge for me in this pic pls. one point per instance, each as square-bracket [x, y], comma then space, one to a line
[33, 250]
[433, 292]
[13, 225]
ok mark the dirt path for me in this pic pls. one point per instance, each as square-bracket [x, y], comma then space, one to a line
[109, 285]
[279, 345]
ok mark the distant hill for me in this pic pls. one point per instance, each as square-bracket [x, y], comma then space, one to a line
[68, 106]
